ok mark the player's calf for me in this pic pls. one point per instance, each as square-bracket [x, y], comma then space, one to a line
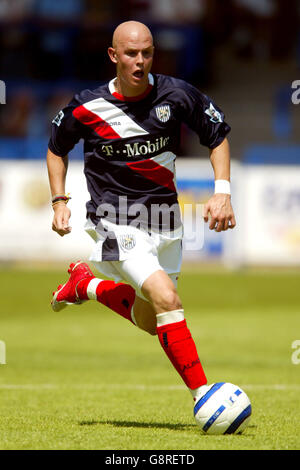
[119, 297]
[173, 333]
[177, 342]
[145, 316]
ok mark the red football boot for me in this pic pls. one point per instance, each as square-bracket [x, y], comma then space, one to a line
[66, 294]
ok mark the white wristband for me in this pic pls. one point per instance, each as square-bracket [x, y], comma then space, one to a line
[222, 186]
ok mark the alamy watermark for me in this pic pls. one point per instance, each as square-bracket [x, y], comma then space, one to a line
[296, 94]
[2, 92]
[2, 352]
[154, 218]
[296, 354]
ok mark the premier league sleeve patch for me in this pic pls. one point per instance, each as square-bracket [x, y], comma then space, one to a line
[214, 115]
[58, 118]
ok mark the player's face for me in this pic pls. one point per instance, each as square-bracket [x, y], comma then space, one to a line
[134, 60]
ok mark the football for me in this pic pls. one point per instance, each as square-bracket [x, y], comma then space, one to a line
[224, 408]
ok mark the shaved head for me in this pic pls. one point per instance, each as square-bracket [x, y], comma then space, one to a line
[130, 30]
[132, 52]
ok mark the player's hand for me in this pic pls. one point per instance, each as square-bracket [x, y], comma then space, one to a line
[61, 218]
[221, 214]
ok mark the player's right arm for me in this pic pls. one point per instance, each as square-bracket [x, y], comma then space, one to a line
[57, 171]
[66, 131]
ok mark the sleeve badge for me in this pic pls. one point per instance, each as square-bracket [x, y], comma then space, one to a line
[214, 115]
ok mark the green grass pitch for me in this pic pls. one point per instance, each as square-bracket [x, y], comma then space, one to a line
[85, 378]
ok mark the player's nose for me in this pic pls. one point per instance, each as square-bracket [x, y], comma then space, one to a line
[140, 58]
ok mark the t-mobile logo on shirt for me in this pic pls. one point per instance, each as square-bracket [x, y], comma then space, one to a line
[136, 149]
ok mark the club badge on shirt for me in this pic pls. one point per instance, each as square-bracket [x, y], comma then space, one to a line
[163, 112]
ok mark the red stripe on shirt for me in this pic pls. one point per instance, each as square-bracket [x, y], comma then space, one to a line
[154, 172]
[101, 127]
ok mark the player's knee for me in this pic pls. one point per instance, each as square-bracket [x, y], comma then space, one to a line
[167, 301]
[161, 292]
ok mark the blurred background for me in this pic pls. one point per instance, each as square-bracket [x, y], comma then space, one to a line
[245, 54]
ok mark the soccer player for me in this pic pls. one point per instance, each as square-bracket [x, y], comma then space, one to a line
[131, 129]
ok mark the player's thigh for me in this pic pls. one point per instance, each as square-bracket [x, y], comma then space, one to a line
[154, 274]
[161, 287]
[136, 270]
[169, 252]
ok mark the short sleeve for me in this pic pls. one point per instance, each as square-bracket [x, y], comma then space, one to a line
[66, 130]
[203, 116]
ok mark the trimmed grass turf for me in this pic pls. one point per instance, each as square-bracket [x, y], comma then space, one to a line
[87, 379]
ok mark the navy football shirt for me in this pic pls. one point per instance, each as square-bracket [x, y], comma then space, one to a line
[130, 144]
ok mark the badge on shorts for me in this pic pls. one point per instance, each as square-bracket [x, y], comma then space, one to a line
[163, 112]
[127, 242]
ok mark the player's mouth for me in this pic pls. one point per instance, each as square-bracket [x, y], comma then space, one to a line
[139, 74]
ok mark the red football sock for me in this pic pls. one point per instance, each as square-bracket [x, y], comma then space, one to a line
[177, 342]
[118, 297]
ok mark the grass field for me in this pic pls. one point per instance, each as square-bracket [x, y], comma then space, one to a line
[87, 379]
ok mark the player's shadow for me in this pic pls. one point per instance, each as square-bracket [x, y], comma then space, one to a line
[138, 424]
[171, 426]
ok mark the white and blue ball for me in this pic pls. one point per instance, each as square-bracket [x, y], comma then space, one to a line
[224, 408]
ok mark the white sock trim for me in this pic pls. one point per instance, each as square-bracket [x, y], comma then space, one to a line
[197, 392]
[133, 317]
[92, 287]
[173, 316]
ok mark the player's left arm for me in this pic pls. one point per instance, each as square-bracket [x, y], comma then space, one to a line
[219, 208]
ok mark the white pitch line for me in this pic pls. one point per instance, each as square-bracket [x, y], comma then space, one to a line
[90, 386]
[271, 387]
[106, 386]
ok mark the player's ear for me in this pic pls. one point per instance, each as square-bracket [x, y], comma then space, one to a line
[112, 54]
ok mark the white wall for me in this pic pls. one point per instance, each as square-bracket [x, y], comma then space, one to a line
[266, 200]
